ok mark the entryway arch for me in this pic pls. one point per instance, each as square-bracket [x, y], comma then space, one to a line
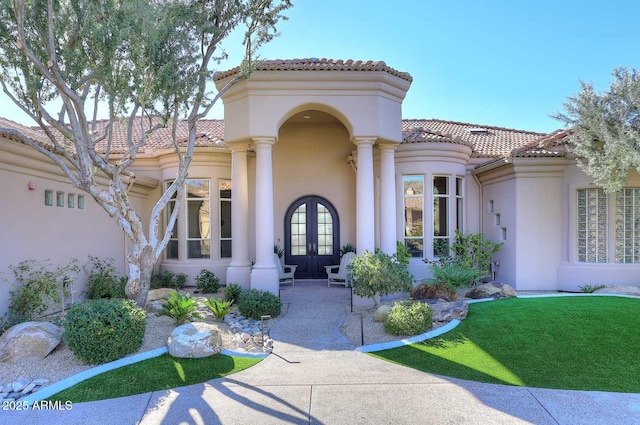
[312, 236]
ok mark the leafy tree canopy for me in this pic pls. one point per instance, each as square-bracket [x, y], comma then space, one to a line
[605, 129]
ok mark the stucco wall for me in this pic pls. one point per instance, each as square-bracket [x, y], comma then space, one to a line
[32, 231]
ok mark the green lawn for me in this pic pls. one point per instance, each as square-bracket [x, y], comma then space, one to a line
[578, 343]
[158, 373]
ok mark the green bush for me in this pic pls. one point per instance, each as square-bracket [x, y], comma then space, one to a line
[346, 248]
[218, 307]
[408, 318]
[40, 287]
[451, 275]
[99, 331]
[254, 303]
[104, 281]
[207, 282]
[474, 251]
[379, 274]
[167, 279]
[232, 292]
[181, 308]
[589, 289]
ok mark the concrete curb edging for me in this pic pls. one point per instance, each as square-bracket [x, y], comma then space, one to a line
[69, 382]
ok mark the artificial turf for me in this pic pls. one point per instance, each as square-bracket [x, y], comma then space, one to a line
[577, 343]
[159, 373]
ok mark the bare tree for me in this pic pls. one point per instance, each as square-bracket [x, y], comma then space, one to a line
[146, 63]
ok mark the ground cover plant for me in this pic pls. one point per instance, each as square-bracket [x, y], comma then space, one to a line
[577, 343]
[156, 374]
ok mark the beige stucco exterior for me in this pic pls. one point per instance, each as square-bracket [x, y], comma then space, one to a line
[335, 135]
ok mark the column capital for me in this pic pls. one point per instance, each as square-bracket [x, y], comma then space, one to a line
[364, 140]
[238, 146]
[387, 146]
[263, 141]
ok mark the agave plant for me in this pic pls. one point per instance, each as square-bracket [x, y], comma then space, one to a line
[181, 308]
[218, 307]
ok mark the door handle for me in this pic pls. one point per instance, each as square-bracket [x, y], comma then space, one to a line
[315, 252]
[310, 249]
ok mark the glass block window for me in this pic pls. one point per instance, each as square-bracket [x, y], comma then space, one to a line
[198, 218]
[60, 199]
[71, 200]
[325, 231]
[48, 198]
[413, 190]
[299, 231]
[80, 202]
[172, 245]
[592, 226]
[225, 218]
[440, 216]
[627, 247]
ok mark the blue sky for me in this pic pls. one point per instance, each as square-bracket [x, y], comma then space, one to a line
[503, 63]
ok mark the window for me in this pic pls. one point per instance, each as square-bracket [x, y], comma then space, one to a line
[71, 200]
[491, 207]
[440, 216]
[497, 219]
[325, 230]
[592, 226]
[627, 247]
[198, 219]
[413, 189]
[459, 205]
[80, 202]
[224, 186]
[503, 233]
[172, 245]
[299, 231]
[48, 198]
[60, 199]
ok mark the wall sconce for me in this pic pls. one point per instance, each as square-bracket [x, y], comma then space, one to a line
[32, 185]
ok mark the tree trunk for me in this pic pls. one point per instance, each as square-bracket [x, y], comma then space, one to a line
[141, 264]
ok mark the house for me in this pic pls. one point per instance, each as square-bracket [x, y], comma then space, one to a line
[313, 154]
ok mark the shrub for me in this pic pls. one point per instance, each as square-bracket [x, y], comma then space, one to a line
[589, 289]
[378, 274]
[207, 282]
[181, 308]
[99, 331]
[232, 292]
[346, 248]
[408, 318]
[218, 307]
[168, 279]
[104, 281]
[254, 303]
[450, 275]
[40, 287]
[474, 251]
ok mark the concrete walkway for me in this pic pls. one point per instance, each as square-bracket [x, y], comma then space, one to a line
[315, 376]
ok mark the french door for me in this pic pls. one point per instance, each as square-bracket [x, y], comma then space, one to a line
[312, 236]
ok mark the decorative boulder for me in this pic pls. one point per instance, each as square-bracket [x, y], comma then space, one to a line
[492, 290]
[445, 312]
[619, 290]
[195, 340]
[159, 294]
[29, 341]
[429, 292]
[381, 313]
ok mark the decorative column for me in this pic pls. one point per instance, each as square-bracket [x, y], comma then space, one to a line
[365, 224]
[264, 275]
[388, 223]
[239, 270]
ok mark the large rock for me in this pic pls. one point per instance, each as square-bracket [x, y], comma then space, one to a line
[29, 341]
[619, 290]
[492, 290]
[195, 340]
[159, 294]
[445, 312]
[381, 313]
[424, 291]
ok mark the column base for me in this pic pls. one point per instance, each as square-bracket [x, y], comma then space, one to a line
[240, 275]
[265, 279]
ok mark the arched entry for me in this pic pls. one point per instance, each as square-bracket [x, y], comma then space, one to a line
[312, 236]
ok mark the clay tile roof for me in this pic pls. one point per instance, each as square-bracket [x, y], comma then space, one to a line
[210, 134]
[550, 145]
[486, 141]
[315, 64]
[26, 131]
